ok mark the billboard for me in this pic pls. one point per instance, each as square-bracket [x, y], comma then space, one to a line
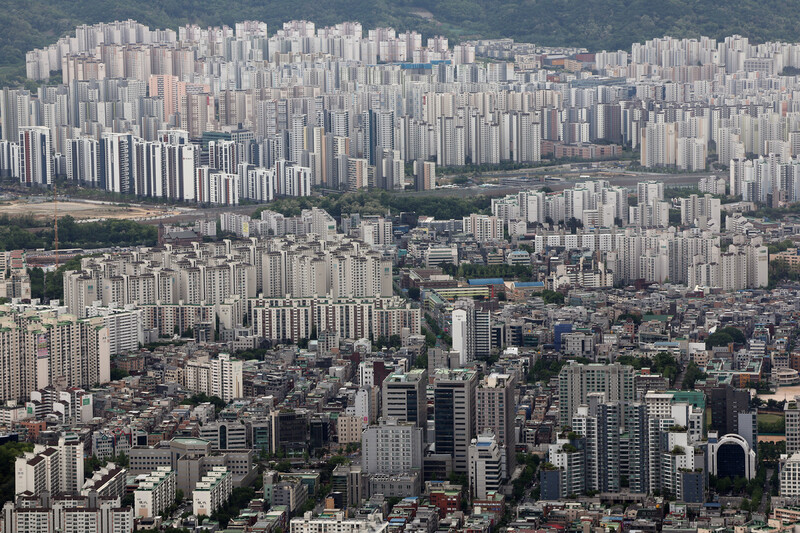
[42, 348]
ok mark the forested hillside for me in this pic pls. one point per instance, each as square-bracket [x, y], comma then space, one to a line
[596, 24]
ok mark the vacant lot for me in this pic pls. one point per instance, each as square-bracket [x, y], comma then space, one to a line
[83, 210]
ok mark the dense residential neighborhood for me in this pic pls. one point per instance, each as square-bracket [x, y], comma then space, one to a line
[375, 285]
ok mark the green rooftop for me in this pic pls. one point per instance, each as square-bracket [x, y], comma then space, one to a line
[693, 397]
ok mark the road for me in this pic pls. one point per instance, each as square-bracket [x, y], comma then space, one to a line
[763, 507]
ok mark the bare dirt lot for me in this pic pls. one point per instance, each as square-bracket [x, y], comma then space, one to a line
[84, 210]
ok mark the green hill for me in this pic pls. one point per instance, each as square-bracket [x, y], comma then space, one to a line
[608, 24]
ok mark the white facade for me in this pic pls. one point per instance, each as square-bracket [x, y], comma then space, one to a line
[485, 465]
[212, 491]
[156, 492]
[392, 447]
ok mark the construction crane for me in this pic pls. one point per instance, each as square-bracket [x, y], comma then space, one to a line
[55, 220]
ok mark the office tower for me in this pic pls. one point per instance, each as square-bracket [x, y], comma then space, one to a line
[726, 402]
[290, 431]
[35, 160]
[225, 435]
[486, 472]
[790, 477]
[577, 381]
[471, 332]
[454, 412]
[404, 398]
[730, 456]
[392, 447]
[348, 480]
[747, 427]
[495, 409]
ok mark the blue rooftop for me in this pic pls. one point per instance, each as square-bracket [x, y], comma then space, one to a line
[485, 281]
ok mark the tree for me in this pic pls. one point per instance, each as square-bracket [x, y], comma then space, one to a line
[413, 293]
[283, 466]
[635, 317]
[8, 454]
[693, 373]
[118, 373]
[735, 334]
[718, 339]
[122, 460]
[552, 297]
[337, 460]
[196, 399]
[745, 506]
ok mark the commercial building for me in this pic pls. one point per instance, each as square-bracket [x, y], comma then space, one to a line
[486, 472]
[392, 447]
[495, 410]
[454, 413]
[404, 398]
